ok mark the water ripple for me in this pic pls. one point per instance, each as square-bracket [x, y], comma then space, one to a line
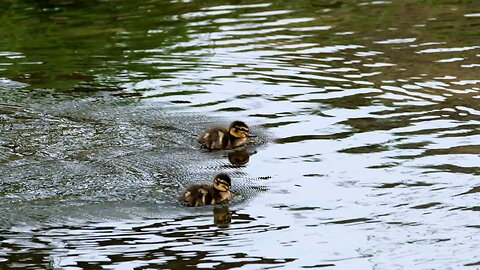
[366, 115]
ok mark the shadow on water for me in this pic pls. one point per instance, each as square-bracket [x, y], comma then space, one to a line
[367, 112]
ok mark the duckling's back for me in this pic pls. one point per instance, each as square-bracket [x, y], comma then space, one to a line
[197, 195]
[214, 138]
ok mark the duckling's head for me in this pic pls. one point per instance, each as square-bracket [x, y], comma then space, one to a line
[239, 129]
[222, 182]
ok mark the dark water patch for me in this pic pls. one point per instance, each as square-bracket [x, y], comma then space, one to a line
[385, 165]
[473, 132]
[439, 130]
[231, 109]
[403, 223]
[246, 96]
[209, 103]
[348, 102]
[474, 208]
[372, 124]
[313, 175]
[453, 169]
[350, 221]
[390, 185]
[272, 116]
[284, 97]
[365, 149]
[306, 208]
[429, 241]
[176, 93]
[416, 145]
[405, 184]
[426, 205]
[471, 191]
[279, 124]
[127, 95]
[180, 101]
[93, 89]
[319, 265]
[300, 138]
[407, 157]
[472, 264]
[464, 149]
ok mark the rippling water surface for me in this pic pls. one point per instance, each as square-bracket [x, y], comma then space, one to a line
[367, 113]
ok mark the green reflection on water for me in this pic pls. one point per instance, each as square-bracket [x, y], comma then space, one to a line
[62, 44]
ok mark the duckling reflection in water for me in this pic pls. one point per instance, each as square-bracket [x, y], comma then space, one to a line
[221, 137]
[222, 217]
[203, 194]
[240, 157]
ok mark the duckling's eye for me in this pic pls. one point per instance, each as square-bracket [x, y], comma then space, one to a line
[221, 181]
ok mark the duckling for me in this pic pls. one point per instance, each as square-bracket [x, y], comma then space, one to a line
[221, 137]
[203, 194]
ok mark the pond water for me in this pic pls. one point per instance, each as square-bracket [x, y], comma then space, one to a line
[367, 115]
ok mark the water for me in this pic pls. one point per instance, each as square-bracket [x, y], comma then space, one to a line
[367, 115]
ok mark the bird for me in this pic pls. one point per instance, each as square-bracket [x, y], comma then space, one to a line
[205, 194]
[222, 137]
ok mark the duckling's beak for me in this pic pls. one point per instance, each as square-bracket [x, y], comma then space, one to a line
[251, 135]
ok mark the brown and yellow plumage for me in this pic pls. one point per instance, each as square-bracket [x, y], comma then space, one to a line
[221, 137]
[203, 194]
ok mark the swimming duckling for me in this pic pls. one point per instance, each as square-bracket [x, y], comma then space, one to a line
[220, 137]
[203, 194]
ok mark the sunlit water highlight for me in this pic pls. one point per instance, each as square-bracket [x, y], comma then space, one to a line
[367, 115]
